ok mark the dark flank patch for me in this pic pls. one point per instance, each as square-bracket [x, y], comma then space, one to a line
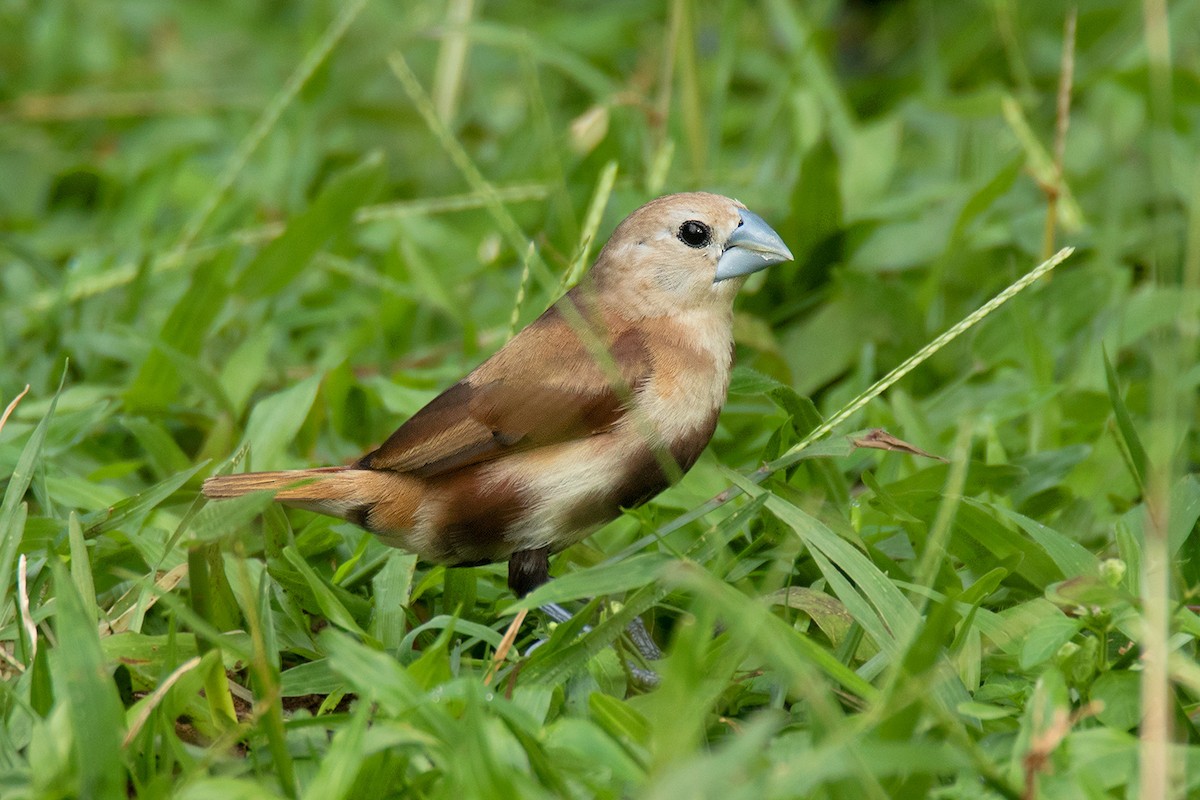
[643, 477]
[476, 516]
[528, 569]
[687, 450]
[361, 516]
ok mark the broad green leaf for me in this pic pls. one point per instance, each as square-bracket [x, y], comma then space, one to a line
[226, 518]
[329, 215]
[326, 598]
[617, 717]
[84, 683]
[132, 511]
[1120, 691]
[276, 420]
[310, 677]
[826, 611]
[575, 739]
[1070, 557]
[391, 587]
[341, 763]
[1045, 639]
[244, 368]
[630, 573]
[157, 382]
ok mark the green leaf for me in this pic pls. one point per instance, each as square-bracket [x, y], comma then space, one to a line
[276, 420]
[447, 622]
[225, 518]
[815, 203]
[81, 567]
[310, 677]
[343, 760]
[986, 195]
[1128, 433]
[1068, 555]
[618, 718]
[826, 611]
[326, 598]
[157, 382]
[793, 653]
[41, 682]
[573, 740]
[975, 526]
[1120, 692]
[391, 587]
[373, 675]
[163, 453]
[630, 573]
[12, 509]
[985, 711]
[1045, 639]
[132, 510]
[85, 685]
[329, 215]
[1185, 511]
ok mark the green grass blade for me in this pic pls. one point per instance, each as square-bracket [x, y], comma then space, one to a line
[14, 494]
[1128, 433]
[90, 695]
[793, 653]
[330, 214]
[81, 567]
[277, 419]
[342, 761]
[333, 608]
[133, 509]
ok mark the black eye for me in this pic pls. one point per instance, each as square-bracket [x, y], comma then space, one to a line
[695, 234]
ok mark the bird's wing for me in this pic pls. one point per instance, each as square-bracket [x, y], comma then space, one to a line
[542, 388]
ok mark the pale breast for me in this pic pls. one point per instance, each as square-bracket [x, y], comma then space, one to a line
[557, 494]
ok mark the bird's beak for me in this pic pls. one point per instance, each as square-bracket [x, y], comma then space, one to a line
[751, 247]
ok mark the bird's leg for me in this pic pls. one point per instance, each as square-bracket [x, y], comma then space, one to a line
[529, 569]
[636, 629]
[642, 640]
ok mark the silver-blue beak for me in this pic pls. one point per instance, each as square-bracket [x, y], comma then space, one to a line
[751, 247]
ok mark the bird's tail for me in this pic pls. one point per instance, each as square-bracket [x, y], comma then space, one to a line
[342, 492]
[290, 484]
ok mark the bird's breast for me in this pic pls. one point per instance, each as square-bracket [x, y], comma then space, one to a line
[556, 495]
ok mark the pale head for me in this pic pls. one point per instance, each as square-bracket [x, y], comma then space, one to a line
[684, 251]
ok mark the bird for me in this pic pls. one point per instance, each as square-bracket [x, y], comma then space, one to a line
[599, 404]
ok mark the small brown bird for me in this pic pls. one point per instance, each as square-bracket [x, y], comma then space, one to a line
[598, 405]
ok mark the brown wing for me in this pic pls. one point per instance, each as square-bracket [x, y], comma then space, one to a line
[543, 387]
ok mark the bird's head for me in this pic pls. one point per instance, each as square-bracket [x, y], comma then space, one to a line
[684, 251]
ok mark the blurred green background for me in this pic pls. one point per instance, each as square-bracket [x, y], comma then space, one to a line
[271, 231]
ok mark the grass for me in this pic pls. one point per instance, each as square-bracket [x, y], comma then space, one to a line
[270, 233]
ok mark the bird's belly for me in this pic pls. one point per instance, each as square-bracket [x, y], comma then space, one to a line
[574, 489]
[551, 496]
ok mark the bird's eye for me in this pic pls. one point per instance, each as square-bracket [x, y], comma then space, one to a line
[695, 234]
